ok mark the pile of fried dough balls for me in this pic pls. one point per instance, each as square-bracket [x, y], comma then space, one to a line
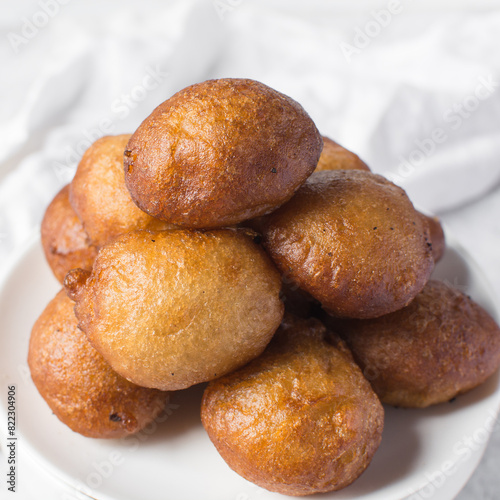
[180, 248]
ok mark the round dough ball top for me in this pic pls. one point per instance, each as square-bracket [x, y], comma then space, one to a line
[220, 152]
[336, 157]
[78, 385]
[65, 243]
[442, 345]
[301, 418]
[99, 195]
[353, 240]
[170, 309]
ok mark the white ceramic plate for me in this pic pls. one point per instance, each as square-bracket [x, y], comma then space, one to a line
[424, 453]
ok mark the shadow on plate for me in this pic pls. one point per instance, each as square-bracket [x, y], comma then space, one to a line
[182, 415]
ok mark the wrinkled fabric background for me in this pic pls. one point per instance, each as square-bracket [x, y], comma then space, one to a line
[412, 87]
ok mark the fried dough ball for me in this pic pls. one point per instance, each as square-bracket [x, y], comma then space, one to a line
[170, 309]
[99, 195]
[336, 157]
[353, 240]
[436, 235]
[65, 243]
[301, 418]
[78, 385]
[220, 152]
[442, 345]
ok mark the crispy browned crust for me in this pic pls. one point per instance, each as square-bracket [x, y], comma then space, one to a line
[353, 240]
[336, 157]
[437, 236]
[99, 195]
[170, 309]
[65, 243]
[220, 152]
[78, 385]
[301, 418]
[441, 345]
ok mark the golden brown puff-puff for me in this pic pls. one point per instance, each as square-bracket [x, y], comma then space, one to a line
[99, 196]
[170, 309]
[333, 157]
[301, 418]
[441, 345]
[220, 152]
[437, 237]
[65, 243]
[336, 157]
[78, 385]
[352, 240]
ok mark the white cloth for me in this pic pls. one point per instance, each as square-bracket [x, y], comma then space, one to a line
[411, 87]
[414, 93]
